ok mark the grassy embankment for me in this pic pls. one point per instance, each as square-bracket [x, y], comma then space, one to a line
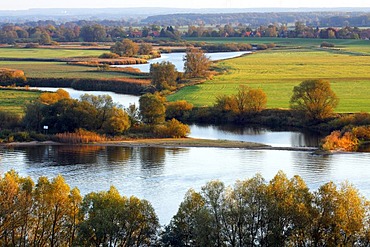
[277, 71]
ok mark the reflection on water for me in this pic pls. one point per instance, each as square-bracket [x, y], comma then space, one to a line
[256, 134]
[163, 176]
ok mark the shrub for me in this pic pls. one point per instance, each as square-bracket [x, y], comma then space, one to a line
[362, 133]
[9, 120]
[32, 45]
[12, 75]
[22, 137]
[109, 55]
[338, 141]
[172, 129]
[262, 47]
[89, 44]
[180, 110]
[327, 44]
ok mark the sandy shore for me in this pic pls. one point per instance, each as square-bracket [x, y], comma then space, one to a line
[170, 143]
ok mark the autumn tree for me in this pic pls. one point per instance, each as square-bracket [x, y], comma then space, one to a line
[126, 48]
[196, 64]
[108, 116]
[52, 97]
[314, 98]
[11, 76]
[112, 220]
[250, 100]
[145, 49]
[15, 209]
[226, 103]
[164, 75]
[152, 108]
[180, 110]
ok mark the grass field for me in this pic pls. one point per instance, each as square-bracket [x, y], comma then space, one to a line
[60, 70]
[14, 100]
[41, 69]
[278, 71]
[47, 53]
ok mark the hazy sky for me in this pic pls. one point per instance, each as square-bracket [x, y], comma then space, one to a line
[26, 4]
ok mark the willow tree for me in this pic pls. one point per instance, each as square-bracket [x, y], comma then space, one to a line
[314, 98]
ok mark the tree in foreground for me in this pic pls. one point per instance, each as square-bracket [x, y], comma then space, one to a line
[196, 64]
[112, 220]
[282, 212]
[315, 99]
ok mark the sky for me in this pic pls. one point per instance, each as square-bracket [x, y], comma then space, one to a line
[27, 4]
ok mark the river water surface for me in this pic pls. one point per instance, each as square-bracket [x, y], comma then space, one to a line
[163, 175]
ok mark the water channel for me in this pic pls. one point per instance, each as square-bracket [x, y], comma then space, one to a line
[178, 59]
[163, 175]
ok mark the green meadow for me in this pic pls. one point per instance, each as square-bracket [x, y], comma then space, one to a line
[277, 71]
[47, 53]
[59, 70]
[47, 69]
[14, 100]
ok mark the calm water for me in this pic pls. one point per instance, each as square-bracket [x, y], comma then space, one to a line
[178, 59]
[163, 176]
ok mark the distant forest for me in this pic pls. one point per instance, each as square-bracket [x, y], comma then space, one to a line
[254, 19]
[326, 25]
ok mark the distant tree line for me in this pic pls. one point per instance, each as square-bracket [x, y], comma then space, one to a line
[282, 212]
[255, 19]
[49, 32]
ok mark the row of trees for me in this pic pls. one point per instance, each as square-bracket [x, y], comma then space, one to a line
[281, 213]
[49, 213]
[253, 212]
[72, 32]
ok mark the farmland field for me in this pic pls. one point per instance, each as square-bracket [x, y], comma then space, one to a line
[278, 71]
[14, 100]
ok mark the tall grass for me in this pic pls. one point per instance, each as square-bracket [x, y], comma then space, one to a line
[80, 136]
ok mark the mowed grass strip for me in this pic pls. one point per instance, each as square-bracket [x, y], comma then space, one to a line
[278, 71]
[14, 100]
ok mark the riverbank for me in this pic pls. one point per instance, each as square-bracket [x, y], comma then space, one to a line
[168, 143]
